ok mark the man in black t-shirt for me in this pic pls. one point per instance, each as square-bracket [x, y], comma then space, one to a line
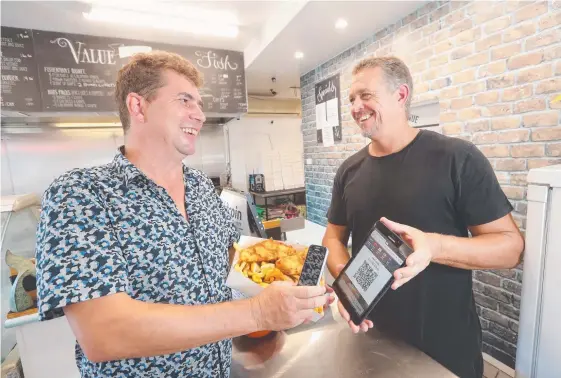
[438, 188]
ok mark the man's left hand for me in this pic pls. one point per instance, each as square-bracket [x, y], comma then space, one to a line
[424, 245]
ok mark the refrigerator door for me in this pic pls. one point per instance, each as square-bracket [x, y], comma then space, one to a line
[549, 343]
[539, 335]
[534, 262]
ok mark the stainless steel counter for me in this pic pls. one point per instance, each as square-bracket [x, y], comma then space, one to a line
[329, 349]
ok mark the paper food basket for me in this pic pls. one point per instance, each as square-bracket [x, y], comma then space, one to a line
[244, 287]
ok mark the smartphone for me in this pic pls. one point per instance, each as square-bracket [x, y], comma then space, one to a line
[314, 265]
[369, 274]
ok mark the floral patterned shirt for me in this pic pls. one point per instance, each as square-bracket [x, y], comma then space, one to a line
[110, 229]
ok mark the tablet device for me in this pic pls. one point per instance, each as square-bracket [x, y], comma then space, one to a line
[369, 274]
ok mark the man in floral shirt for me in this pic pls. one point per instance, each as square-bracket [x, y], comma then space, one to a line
[135, 252]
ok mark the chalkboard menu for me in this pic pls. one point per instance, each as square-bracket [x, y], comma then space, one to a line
[224, 88]
[20, 85]
[78, 72]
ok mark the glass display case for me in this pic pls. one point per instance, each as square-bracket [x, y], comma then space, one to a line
[20, 216]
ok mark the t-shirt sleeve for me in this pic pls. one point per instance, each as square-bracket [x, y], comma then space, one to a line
[78, 255]
[337, 212]
[480, 197]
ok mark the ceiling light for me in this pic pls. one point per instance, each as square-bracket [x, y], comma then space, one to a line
[298, 54]
[192, 24]
[181, 9]
[341, 23]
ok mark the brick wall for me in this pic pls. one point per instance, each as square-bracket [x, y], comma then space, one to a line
[495, 67]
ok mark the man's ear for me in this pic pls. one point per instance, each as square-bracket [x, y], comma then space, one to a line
[136, 104]
[403, 93]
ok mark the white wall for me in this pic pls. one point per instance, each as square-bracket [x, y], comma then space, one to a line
[30, 162]
[252, 138]
[210, 152]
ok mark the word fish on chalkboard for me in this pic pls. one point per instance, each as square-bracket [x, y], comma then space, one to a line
[328, 115]
[51, 71]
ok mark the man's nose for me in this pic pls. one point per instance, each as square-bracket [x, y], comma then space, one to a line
[198, 115]
[357, 106]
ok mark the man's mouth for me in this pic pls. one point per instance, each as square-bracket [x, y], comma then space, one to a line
[190, 131]
[365, 117]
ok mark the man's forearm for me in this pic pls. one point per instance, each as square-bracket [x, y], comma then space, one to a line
[487, 251]
[139, 329]
[338, 254]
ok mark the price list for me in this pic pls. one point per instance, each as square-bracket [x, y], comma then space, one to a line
[20, 86]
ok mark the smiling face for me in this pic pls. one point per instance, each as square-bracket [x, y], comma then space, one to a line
[375, 105]
[175, 115]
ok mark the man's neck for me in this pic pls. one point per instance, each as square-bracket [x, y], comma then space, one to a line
[392, 143]
[157, 164]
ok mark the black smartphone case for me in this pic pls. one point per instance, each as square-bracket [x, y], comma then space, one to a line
[306, 277]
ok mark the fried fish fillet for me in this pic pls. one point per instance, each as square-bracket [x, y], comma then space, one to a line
[284, 251]
[265, 254]
[267, 251]
[257, 254]
[290, 265]
[248, 255]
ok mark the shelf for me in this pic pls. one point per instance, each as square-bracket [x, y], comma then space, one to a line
[279, 193]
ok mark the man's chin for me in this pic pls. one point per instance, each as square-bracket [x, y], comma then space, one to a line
[368, 133]
[186, 150]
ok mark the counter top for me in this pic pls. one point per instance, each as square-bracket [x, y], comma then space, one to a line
[21, 320]
[329, 349]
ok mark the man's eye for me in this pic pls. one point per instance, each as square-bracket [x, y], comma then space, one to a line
[351, 100]
[366, 96]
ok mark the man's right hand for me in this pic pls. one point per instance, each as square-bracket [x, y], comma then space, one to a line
[283, 305]
[364, 326]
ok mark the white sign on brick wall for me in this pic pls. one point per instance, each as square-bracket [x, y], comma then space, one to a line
[425, 114]
[328, 115]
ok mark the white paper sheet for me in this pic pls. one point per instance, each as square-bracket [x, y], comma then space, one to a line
[328, 136]
[332, 112]
[321, 119]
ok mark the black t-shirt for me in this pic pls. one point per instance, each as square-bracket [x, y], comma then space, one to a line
[436, 184]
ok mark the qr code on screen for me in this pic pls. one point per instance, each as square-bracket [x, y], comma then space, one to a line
[365, 275]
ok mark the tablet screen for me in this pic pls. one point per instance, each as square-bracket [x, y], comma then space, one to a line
[370, 271]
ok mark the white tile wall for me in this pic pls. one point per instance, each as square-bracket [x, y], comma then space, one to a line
[273, 149]
[30, 162]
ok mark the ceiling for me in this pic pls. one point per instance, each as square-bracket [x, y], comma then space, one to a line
[270, 32]
[312, 31]
[66, 16]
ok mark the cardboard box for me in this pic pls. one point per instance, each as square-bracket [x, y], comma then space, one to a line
[243, 286]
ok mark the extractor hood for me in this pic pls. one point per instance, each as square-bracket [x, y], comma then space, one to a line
[12, 121]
